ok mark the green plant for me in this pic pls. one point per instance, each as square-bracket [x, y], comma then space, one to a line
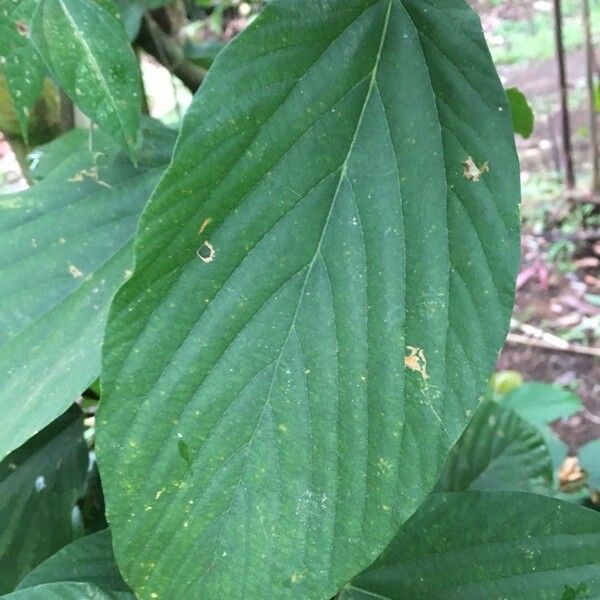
[311, 291]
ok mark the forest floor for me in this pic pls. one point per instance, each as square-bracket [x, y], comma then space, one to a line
[559, 283]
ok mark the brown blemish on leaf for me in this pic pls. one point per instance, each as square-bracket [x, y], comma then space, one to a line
[204, 225]
[206, 252]
[416, 361]
[23, 29]
[471, 171]
[75, 272]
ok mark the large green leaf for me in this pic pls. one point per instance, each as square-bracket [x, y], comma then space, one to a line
[491, 545]
[19, 61]
[87, 51]
[324, 279]
[39, 485]
[87, 560]
[68, 591]
[498, 451]
[65, 248]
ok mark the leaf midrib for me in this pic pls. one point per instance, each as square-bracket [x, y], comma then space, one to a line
[317, 254]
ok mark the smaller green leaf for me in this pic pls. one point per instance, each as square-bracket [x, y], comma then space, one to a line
[87, 51]
[589, 459]
[65, 248]
[203, 54]
[19, 60]
[540, 404]
[498, 451]
[522, 114]
[68, 591]
[474, 545]
[39, 485]
[131, 13]
[87, 560]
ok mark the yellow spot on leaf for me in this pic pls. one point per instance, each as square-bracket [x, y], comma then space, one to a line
[471, 171]
[75, 272]
[204, 225]
[416, 361]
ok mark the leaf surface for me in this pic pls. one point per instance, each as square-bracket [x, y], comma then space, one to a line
[19, 61]
[539, 404]
[522, 115]
[39, 485]
[86, 49]
[320, 294]
[87, 560]
[473, 545]
[498, 451]
[589, 458]
[68, 591]
[65, 248]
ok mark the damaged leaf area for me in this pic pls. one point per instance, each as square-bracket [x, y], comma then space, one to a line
[331, 322]
[472, 172]
[416, 361]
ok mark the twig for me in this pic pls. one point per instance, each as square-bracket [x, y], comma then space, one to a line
[524, 340]
[539, 334]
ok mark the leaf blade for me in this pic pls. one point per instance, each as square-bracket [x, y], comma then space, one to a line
[488, 544]
[40, 482]
[262, 250]
[66, 248]
[87, 51]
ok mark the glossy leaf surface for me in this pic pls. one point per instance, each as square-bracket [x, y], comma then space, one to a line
[473, 545]
[87, 560]
[65, 248]
[87, 50]
[324, 277]
[498, 451]
[39, 485]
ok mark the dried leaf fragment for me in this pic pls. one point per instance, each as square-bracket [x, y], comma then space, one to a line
[471, 171]
[416, 361]
[571, 476]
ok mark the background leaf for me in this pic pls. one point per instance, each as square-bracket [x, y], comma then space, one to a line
[589, 459]
[477, 545]
[87, 51]
[87, 560]
[68, 591]
[39, 485]
[522, 115]
[298, 318]
[540, 404]
[498, 451]
[20, 63]
[65, 248]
